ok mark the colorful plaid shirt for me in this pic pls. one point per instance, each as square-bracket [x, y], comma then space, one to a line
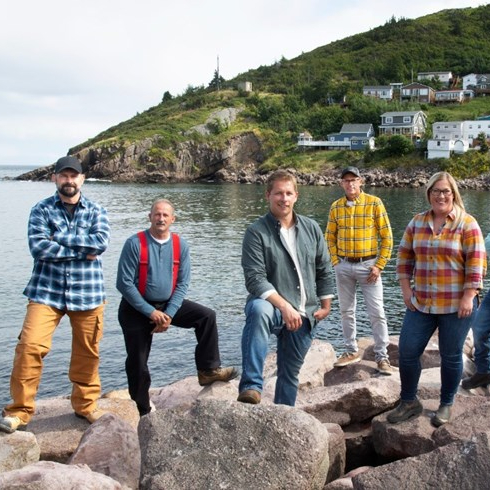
[360, 230]
[441, 265]
[62, 276]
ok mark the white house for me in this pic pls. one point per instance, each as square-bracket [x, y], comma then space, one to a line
[469, 80]
[455, 136]
[383, 92]
[444, 76]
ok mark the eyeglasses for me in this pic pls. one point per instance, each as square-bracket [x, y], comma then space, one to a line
[350, 181]
[444, 192]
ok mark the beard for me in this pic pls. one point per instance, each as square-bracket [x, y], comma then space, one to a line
[68, 190]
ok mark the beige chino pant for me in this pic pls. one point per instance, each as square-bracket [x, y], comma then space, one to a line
[35, 342]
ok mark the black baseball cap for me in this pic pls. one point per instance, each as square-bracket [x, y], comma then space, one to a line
[68, 162]
[350, 170]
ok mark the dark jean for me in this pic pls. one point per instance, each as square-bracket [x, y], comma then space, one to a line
[138, 338]
[481, 336]
[262, 320]
[416, 332]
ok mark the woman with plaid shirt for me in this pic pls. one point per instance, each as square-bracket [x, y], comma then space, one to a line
[441, 263]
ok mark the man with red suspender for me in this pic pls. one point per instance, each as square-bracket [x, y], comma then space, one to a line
[153, 277]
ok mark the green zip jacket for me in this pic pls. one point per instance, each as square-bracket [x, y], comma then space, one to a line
[267, 264]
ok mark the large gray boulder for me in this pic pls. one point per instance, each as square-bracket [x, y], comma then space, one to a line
[49, 475]
[462, 465]
[418, 436]
[348, 403]
[110, 446]
[18, 450]
[58, 431]
[218, 444]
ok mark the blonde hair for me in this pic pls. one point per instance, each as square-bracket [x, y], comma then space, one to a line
[458, 204]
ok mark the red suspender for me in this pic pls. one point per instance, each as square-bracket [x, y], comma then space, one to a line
[176, 249]
[143, 270]
[143, 262]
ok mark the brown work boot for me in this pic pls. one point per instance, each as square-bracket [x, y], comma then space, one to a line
[249, 396]
[92, 416]
[442, 416]
[405, 411]
[11, 423]
[209, 376]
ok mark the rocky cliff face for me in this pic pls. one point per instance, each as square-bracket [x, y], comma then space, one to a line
[145, 161]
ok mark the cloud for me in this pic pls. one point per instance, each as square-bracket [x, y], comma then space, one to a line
[72, 69]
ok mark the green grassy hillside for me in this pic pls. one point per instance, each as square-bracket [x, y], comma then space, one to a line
[305, 93]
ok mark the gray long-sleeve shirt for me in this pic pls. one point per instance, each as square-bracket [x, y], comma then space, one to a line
[267, 265]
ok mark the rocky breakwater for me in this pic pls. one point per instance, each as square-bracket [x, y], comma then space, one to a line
[337, 436]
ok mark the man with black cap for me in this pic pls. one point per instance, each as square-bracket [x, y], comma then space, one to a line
[67, 233]
[360, 241]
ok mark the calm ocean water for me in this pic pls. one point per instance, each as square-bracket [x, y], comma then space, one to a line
[213, 219]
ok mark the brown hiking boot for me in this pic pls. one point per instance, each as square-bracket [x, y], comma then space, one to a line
[405, 411]
[92, 416]
[249, 396]
[442, 416]
[208, 377]
[475, 381]
[11, 423]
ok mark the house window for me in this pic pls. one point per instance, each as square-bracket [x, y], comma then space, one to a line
[407, 119]
[388, 120]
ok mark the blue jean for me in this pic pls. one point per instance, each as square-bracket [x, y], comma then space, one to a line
[262, 320]
[481, 336]
[417, 329]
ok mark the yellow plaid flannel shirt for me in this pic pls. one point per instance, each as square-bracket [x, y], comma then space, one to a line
[360, 230]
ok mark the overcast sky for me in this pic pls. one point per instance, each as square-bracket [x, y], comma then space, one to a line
[70, 69]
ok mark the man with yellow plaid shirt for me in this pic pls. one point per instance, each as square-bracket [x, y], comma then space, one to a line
[360, 242]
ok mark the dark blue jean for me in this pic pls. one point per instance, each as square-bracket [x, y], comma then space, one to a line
[416, 332]
[481, 336]
[262, 320]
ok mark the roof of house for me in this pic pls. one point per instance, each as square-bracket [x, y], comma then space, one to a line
[356, 128]
[402, 113]
[416, 84]
[377, 87]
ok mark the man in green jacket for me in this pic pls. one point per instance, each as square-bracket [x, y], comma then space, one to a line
[289, 277]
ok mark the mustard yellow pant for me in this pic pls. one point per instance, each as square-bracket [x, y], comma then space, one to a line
[35, 342]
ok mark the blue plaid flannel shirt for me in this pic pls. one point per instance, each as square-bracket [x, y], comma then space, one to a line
[62, 276]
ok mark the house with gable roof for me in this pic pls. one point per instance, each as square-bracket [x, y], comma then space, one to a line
[418, 92]
[351, 137]
[412, 124]
[478, 83]
[455, 137]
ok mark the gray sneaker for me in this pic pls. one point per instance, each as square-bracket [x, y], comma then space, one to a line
[405, 411]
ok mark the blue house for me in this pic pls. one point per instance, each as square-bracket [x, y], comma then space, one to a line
[351, 137]
[354, 136]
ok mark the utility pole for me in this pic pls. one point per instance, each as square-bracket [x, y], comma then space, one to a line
[217, 74]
